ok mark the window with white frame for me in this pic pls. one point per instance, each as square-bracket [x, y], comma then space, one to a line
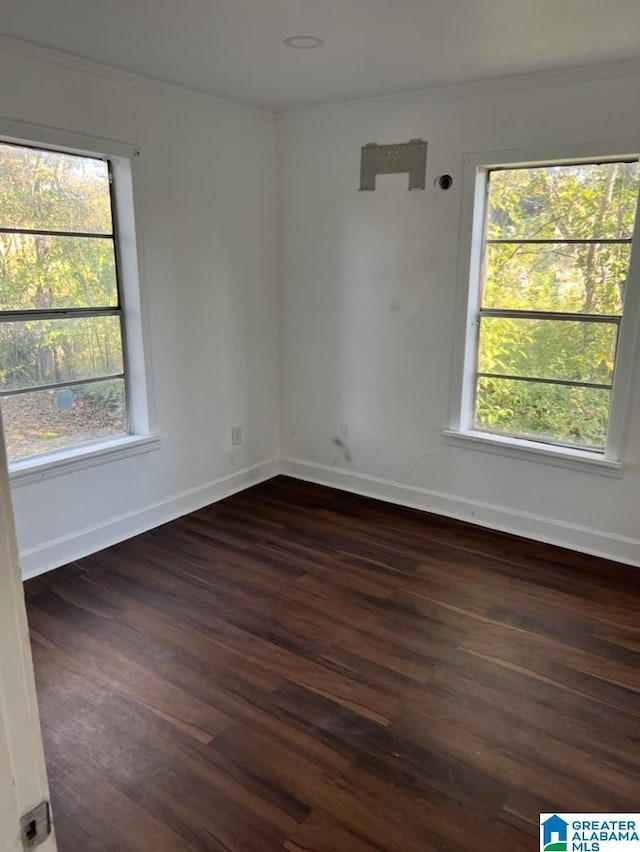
[62, 364]
[550, 289]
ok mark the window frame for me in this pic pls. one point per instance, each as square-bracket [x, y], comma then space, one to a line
[121, 158]
[460, 431]
[74, 312]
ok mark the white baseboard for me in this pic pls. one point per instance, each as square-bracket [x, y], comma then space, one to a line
[89, 540]
[537, 527]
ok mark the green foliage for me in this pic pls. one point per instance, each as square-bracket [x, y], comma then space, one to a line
[49, 191]
[42, 190]
[109, 394]
[556, 203]
[543, 412]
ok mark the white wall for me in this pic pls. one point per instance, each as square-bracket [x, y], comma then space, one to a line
[366, 301]
[205, 199]
[368, 290]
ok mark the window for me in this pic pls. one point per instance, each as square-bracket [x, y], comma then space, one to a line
[62, 368]
[552, 251]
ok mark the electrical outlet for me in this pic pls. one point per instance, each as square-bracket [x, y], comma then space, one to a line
[236, 435]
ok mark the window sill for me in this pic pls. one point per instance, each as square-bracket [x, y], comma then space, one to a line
[566, 457]
[65, 461]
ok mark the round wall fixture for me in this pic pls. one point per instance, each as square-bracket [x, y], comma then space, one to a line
[303, 42]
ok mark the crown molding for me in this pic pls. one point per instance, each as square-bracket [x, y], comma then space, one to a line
[131, 79]
[503, 84]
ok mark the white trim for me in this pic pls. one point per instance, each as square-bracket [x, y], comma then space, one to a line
[535, 451]
[134, 293]
[605, 150]
[133, 296]
[537, 527]
[50, 56]
[132, 286]
[60, 139]
[463, 355]
[627, 353]
[89, 540]
[76, 458]
[505, 83]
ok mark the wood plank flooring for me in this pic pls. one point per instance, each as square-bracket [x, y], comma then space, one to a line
[300, 669]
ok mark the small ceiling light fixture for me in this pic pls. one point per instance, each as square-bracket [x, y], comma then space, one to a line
[303, 42]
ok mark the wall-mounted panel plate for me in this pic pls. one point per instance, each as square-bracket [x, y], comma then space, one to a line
[410, 157]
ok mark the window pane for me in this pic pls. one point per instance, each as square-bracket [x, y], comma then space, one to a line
[42, 352]
[587, 278]
[548, 349]
[563, 202]
[46, 190]
[39, 272]
[554, 413]
[43, 421]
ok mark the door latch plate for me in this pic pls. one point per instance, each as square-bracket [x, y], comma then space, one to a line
[35, 826]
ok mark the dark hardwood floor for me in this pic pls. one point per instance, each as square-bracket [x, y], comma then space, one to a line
[300, 669]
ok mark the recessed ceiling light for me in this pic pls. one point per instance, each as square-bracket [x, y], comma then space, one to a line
[303, 42]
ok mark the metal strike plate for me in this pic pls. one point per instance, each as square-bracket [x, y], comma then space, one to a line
[410, 157]
[35, 826]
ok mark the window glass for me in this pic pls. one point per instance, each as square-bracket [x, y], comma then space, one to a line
[60, 317]
[589, 278]
[546, 349]
[57, 351]
[42, 421]
[47, 190]
[556, 414]
[557, 247]
[586, 201]
[44, 271]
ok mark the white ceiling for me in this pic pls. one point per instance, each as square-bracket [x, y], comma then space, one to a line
[233, 48]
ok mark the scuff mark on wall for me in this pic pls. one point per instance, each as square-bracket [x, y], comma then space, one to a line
[408, 475]
[338, 443]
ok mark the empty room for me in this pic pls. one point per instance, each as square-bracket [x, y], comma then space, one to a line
[320, 406]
